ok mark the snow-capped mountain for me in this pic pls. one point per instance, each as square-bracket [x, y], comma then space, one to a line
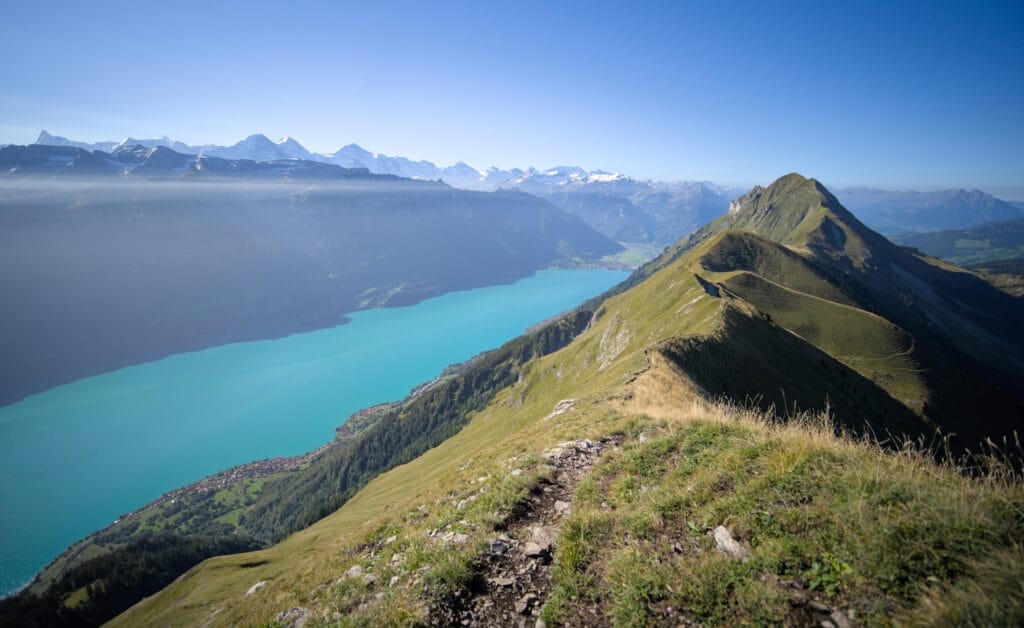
[161, 162]
[165, 141]
[259, 147]
[56, 140]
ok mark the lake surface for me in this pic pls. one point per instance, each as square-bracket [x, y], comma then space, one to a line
[76, 456]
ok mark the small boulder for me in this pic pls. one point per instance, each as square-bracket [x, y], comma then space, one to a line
[500, 545]
[256, 587]
[840, 619]
[354, 571]
[533, 550]
[525, 603]
[543, 536]
[502, 582]
[293, 617]
[455, 538]
[728, 545]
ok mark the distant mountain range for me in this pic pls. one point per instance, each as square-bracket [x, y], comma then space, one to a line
[160, 161]
[980, 244]
[893, 211]
[652, 213]
[261, 148]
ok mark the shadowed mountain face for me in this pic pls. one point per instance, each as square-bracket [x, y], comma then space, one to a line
[109, 269]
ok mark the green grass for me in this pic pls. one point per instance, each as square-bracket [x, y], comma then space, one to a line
[880, 536]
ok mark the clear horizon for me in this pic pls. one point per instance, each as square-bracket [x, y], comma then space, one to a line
[909, 96]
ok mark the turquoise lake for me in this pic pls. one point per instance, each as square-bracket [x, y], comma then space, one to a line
[76, 456]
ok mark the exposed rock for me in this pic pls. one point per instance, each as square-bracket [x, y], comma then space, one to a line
[455, 538]
[256, 587]
[502, 582]
[293, 617]
[533, 550]
[562, 508]
[354, 571]
[840, 619]
[543, 536]
[561, 407]
[615, 339]
[369, 579]
[540, 543]
[570, 450]
[525, 603]
[394, 581]
[500, 545]
[390, 540]
[728, 545]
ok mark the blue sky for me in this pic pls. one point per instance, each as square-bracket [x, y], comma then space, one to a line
[896, 94]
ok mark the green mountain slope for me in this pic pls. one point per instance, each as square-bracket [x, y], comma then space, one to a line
[966, 343]
[619, 449]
